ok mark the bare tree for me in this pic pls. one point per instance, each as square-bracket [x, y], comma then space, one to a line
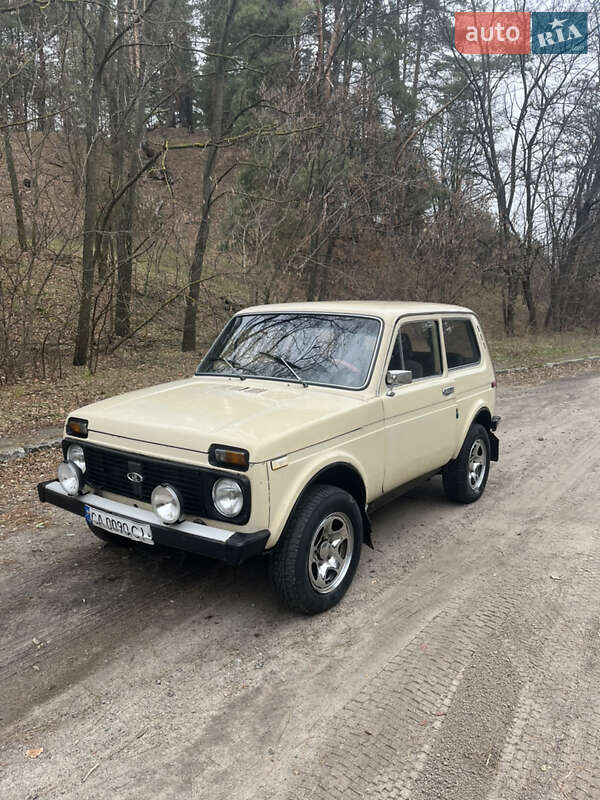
[219, 52]
[572, 206]
[88, 260]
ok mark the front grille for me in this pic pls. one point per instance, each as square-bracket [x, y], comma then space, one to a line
[107, 469]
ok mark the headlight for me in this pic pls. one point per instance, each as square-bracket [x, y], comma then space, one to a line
[166, 503]
[228, 497]
[76, 455]
[70, 477]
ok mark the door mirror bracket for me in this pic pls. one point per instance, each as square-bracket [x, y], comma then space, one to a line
[397, 377]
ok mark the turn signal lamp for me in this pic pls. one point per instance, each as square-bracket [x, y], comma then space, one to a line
[221, 455]
[77, 427]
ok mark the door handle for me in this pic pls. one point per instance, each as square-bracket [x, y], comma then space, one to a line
[447, 390]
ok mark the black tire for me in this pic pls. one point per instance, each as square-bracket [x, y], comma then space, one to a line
[289, 562]
[110, 538]
[455, 475]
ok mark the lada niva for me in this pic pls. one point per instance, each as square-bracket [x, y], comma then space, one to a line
[298, 418]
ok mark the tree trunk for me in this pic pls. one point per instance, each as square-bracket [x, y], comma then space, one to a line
[124, 250]
[129, 202]
[313, 276]
[570, 257]
[528, 261]
[333, 60]
[530, 302]
[319, 61]
[549, 321]
[14, 188]
[326, 265]
[509, 297]
[91, 195]
[188, 342]
[43, 123]
[219, 46]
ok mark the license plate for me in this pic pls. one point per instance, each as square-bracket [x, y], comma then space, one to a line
[129, 528]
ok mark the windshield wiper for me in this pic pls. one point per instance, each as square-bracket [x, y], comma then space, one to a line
[231, 366]
[281, 360]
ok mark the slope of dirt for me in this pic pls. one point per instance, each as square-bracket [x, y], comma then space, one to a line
[58, 163]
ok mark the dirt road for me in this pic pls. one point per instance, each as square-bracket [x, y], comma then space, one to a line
[463, 664]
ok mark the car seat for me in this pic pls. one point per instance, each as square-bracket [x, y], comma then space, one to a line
[409, 357]
[409, 361]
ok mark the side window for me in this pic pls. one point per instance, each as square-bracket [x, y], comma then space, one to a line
[417, 348]
[462, 348]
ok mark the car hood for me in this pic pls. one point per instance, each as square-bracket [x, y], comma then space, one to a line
[267, 418]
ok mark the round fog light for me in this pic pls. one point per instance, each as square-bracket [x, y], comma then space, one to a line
[76, 455]
[70, 477]
[228, 497]
[166, 503]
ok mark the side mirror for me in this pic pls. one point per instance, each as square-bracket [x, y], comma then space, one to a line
[397, 377]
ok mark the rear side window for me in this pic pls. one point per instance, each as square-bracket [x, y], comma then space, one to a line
[461, 343]
[417, 348]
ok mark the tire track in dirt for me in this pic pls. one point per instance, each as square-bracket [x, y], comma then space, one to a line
[383, 738]
[397, 696]
[552, 750]
[76, 641]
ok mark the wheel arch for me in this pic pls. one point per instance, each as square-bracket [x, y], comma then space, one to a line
[345, 476]
[482, 416]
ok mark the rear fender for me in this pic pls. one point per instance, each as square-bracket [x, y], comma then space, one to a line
[482, 416]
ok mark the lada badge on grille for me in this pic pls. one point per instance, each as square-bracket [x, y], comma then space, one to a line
[135, 477]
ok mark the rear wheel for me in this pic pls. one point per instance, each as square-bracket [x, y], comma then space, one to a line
[466, 476]
[315, 560]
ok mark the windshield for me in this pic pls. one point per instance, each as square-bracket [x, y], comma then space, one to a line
[329, 349]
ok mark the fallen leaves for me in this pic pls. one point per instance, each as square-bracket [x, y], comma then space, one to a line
[35, 403]
[19, 502]
[537, 375]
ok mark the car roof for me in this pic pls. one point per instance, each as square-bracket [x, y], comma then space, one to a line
[389, 310]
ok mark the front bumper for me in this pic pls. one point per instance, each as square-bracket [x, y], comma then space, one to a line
[204, 540]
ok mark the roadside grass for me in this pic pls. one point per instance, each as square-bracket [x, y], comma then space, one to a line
[35, 403]
[539, 349]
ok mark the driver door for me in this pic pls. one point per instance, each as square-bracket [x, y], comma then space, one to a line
[420, 417]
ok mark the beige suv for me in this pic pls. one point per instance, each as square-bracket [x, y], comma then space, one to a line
[297, 419]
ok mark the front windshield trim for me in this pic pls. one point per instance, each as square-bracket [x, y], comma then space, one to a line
[321, 313]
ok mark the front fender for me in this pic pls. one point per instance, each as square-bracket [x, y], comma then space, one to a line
[288, 483]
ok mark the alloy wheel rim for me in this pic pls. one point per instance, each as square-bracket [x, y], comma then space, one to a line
[330, 552]
[477, 464]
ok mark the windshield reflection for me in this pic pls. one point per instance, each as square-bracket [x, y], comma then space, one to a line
[327, 349]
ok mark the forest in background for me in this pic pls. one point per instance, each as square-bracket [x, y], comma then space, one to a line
[166, 162]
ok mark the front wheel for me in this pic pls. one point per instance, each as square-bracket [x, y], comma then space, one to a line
[466, 476]
[313, 564]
